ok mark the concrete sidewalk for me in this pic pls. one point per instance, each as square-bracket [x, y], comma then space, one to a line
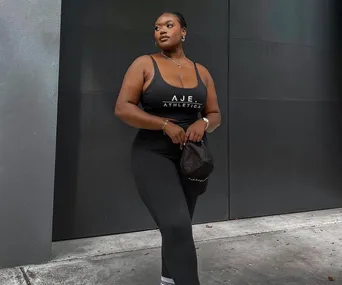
[303, 248]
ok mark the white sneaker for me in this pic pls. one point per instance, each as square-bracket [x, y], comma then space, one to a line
[167, 281]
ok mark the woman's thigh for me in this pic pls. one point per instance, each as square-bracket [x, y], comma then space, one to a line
[160, 187]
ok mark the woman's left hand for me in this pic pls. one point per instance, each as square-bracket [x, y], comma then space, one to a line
[196, 131]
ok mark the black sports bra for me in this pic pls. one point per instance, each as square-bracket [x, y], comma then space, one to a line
[182, 104]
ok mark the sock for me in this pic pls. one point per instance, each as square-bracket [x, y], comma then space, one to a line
[166, 281]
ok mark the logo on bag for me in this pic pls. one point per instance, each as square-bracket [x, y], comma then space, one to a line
[182, 101]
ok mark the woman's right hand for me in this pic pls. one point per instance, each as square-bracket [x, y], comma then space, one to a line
[175, 132]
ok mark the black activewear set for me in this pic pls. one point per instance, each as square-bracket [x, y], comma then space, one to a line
[169, 196]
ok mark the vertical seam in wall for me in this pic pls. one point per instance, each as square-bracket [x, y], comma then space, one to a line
[27, 280]
[228, 115]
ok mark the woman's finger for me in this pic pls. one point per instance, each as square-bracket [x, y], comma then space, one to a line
[187, 135]
[183, 138]
[175, 139]
[192, 136]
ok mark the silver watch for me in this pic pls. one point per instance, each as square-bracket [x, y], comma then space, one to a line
[207, 121]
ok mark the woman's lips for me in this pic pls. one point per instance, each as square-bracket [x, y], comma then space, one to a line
[163, 39]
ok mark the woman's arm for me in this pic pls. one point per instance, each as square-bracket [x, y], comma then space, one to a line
[196, 131]
[212, 110]
[126, 107]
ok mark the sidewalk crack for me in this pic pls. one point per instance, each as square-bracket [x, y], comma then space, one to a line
[27, 280]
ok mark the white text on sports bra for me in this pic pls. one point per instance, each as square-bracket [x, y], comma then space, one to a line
[182, 102]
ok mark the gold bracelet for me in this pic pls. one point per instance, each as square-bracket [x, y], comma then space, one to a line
[164, 125]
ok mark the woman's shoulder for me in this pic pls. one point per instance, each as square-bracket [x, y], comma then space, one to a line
[142, 59]
[203, 72]
[142, 62]
[202, 69]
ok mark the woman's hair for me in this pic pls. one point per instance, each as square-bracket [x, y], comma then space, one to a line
[180, 18]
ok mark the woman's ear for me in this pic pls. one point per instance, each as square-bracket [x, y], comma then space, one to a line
[183, 34]
[184, 31]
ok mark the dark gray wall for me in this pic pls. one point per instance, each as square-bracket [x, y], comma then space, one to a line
[285, 106]
[29, 59]
[283, 109]
[95, 193]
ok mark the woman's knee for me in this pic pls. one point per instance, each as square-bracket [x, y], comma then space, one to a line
[177, 229]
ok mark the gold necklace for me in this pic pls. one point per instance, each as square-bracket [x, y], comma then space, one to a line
[178, 64]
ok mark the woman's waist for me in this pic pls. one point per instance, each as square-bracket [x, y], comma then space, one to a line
[156, 141]
[183, 120]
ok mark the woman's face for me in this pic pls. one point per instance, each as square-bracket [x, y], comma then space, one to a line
[168, 32]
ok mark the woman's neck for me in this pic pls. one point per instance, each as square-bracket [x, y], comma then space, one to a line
[175, 54]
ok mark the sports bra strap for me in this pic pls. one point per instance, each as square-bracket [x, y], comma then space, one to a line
[156, 68]
[197, 73]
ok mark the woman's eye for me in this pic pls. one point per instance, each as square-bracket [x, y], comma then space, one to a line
[156, 28]
[169, 26]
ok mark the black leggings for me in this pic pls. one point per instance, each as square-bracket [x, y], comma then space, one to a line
[171, 200]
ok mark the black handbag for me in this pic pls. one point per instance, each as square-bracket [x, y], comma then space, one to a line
[197, 162]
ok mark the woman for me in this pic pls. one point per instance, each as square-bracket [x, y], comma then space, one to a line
[174, 92]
